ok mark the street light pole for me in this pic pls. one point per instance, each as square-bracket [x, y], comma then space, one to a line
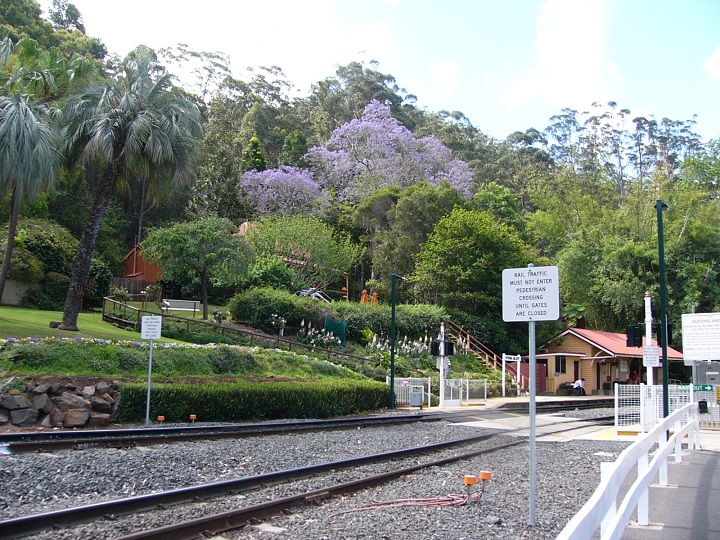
[393, 294]
[660, 206]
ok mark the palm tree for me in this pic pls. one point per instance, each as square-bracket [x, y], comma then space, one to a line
[31, 79]
[135, 124]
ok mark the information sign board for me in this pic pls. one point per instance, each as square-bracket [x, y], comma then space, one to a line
[531, 294]
[701, 336]
[151, 327]
[651, 356]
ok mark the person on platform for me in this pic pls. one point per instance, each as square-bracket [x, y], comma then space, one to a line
[579, 387]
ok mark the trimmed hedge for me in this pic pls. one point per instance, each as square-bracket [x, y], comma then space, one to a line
[232, 402]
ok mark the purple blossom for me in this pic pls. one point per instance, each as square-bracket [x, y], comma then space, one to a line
[286, 190]
[375, 151]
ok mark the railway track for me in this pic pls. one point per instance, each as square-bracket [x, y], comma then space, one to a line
[407, 463]
[16, 443]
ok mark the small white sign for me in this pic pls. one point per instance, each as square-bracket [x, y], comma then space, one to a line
[151, 326]
[651, 356]
[531, 294]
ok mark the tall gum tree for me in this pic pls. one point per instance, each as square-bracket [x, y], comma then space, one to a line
[134, 123]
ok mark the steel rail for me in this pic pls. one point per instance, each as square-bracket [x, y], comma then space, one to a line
[110, 509]
[15, 443]
[29, 524]
[237, 518]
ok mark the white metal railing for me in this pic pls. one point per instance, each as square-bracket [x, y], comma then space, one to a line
[638, 407]
[601, 509]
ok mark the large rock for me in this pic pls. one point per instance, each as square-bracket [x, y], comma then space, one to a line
[4, 417]
[98, 419]
[88, 392]
[76, 417]
[42, 403]
[67, 401]
[102, 387]
[14, 402]
[24, 417]
[56, 417]
[41, 389]
[101, 405]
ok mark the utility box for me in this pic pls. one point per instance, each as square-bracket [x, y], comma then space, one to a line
[712, 377]
[416, 396]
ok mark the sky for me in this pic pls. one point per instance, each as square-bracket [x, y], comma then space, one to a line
[508, 65]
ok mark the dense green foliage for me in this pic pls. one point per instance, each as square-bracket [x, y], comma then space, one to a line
[232, 402]
[256, 307]
[382, 177]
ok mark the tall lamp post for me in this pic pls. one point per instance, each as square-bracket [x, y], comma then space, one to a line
[393, 295]
[660, 206]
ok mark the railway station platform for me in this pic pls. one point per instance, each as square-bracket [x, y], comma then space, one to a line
[686, 509]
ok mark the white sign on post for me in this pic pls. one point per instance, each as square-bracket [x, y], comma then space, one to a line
[651, 356]
[701, 337]
[531, 294]
[151, 326]
[150, 329]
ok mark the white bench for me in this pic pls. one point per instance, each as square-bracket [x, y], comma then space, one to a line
[180, 305]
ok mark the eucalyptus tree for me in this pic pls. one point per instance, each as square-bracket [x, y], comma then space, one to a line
[135, 123]
[31, 81]
[339, 99]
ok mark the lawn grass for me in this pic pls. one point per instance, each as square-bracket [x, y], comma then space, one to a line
[22, 323]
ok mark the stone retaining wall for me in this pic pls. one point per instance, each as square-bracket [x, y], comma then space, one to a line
[66, 403]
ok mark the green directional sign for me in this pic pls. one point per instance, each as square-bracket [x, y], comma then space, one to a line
[703, 387]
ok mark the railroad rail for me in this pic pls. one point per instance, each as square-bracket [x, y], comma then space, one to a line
[27, 525]
[22, 442]
[15, 443]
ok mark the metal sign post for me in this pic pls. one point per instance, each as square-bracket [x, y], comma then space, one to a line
[150, 329]
[531, 294]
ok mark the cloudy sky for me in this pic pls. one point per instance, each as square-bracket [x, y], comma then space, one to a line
[507, 64]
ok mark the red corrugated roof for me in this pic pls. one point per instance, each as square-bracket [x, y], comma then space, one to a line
[615, 344]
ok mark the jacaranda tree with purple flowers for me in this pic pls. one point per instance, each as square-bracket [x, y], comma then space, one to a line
[375, 151]
[283, 191]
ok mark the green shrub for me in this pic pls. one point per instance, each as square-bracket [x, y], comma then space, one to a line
[231, 360]
[411, 320]
[242, 400]
[51, 296]
[24, 266]
[50, 242]
[257, 306]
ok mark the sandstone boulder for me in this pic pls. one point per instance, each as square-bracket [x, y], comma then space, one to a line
[76, 417]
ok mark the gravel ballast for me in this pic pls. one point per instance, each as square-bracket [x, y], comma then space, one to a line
[567, 474]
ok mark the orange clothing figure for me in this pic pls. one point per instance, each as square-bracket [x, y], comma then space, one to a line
[374, 299]
[363, 297]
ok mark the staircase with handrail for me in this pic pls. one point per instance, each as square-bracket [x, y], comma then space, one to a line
[482, 352]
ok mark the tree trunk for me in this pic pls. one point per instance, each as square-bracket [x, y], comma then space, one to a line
[15, 204]
[86, 249]
[203, 286]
